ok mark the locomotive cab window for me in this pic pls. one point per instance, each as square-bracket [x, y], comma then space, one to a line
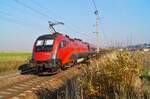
[44, 45]
[49, 42]
[39, 43]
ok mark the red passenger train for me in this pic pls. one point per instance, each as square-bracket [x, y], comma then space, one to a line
[56, 51]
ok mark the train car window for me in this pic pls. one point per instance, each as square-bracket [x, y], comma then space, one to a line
[63, 44]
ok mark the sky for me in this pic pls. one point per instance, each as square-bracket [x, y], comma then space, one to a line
[121, 21]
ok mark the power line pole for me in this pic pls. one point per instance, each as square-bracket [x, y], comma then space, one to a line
[97, 30]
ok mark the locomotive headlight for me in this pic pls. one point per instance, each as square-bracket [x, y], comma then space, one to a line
[53, 56]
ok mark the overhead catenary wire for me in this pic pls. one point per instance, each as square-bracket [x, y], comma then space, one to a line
[105, 37]
[93, 4]
[7, 5]
[18, 22]
[72, 27]
[68, 24]
[11, 18]
[23, 23]
[16, 18]
[93, 1]
[34, 10]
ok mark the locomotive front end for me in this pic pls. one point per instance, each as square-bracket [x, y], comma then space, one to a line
[44, 56]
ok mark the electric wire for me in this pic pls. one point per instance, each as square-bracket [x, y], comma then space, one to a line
[44, 15]
[12, 20]
[8, 5]
[69, 24]
[18, 22]
[34, 10]
[93, 1]
[19, 19]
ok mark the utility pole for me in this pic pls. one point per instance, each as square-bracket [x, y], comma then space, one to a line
[97, 30]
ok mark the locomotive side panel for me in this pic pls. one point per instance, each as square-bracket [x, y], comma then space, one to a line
[65, 51]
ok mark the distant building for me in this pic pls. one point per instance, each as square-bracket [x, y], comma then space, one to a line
[142, 47]
[120, 49]
[145, 49]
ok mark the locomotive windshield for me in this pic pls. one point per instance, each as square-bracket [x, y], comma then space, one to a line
[44, 45]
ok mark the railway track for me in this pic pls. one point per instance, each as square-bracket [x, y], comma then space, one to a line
[17, 85]
[12, 86]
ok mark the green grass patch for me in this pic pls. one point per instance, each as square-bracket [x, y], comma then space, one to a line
[10, 61]
[146, 68]
[146, 76]
[146, 72]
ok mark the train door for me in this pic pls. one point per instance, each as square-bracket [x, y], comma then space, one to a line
[62, 51]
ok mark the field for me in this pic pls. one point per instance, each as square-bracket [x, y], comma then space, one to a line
[10, 61]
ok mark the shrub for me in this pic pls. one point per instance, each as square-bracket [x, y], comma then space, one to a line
[114, 75]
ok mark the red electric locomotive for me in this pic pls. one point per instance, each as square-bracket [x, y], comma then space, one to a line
[56, 51]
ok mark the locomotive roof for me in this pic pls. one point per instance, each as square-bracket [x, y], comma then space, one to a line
[49, 36]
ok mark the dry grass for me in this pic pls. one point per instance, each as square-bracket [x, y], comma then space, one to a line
[10, 61]
[115, 75]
